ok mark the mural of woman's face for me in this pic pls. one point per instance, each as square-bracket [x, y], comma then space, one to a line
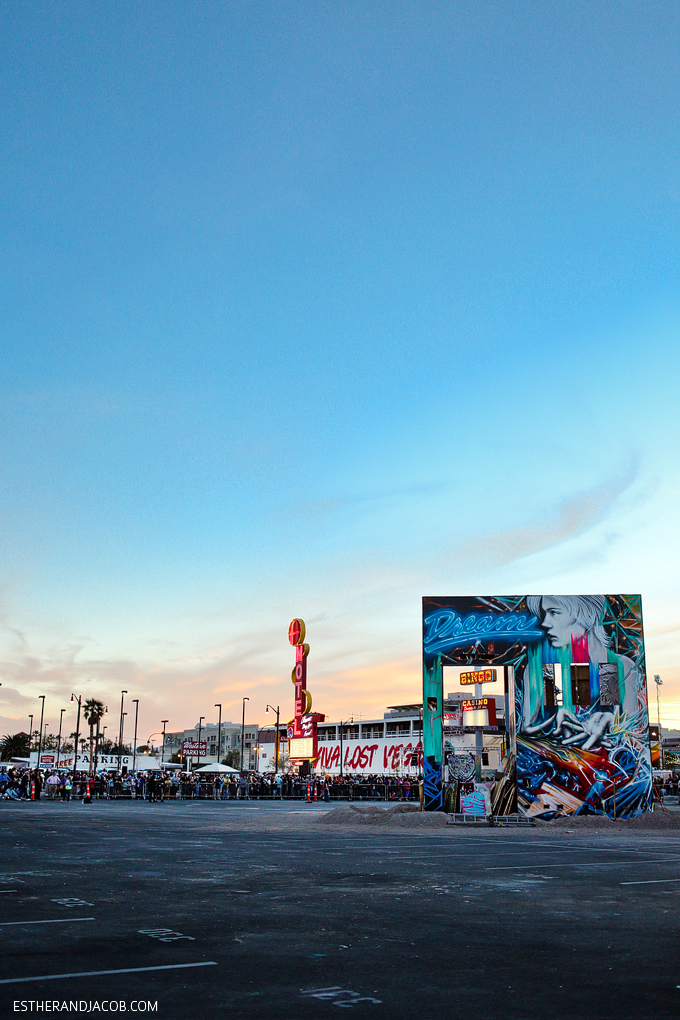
[558, 622]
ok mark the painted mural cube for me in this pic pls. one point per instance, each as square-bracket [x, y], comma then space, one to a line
[573, 668]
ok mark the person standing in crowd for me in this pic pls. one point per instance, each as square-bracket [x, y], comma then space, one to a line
[52, 784]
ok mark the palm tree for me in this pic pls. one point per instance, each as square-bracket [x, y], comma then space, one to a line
[93, 710]
[14, 745]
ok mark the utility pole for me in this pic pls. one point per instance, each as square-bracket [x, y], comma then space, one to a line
[164, 721]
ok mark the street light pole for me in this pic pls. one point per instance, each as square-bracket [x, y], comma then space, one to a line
[122, 731]
[219, 733]
[276, 739]
[350, 720]
[42, 713]
[135, 702]
[201, 719]
[61, 716]
[96, 744]
[120, 728]
[658, 681]
[243, 727]
[164, 721]
[75, 753]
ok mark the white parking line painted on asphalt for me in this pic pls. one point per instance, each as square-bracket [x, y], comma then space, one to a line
[55, 920]
[651, 881]
[165, 934]
[579, 864]
[101, 973]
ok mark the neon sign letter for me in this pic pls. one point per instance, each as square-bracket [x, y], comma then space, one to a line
[303, 726]
[445, 629]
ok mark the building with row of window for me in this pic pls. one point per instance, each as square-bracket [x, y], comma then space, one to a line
[230, 741]
[391, 745]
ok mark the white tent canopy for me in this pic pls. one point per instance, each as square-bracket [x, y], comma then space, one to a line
[215, 768]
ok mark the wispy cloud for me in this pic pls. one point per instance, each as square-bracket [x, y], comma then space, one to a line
[325, 507]
[569, 519]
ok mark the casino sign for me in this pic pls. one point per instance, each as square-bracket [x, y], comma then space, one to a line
[302, 735]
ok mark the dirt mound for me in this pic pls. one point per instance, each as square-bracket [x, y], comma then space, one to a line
[420, 820]
[651, 820]
[576, 822]
[403, 809]
[406, 815]
[348, 814]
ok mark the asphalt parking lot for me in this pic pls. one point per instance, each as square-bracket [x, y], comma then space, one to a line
[218, 910]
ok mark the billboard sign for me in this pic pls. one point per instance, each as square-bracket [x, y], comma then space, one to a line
[478, 676]
[302, 727]
[194, 749]
[301, 747]
[453, 721]
[575, 689]
[105, 762]
[479, 712]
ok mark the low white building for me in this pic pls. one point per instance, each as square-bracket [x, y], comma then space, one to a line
[388, 746]
[105, 762]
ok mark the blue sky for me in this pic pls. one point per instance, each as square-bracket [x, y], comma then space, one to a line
[314, 309]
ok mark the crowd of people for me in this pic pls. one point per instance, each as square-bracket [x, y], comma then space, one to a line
[26, 784]
[17, 783]
[668, 786]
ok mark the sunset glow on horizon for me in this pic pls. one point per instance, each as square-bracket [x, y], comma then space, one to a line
[312, 311]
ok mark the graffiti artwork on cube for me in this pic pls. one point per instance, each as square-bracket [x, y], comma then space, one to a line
[575, 690]
[460, 767]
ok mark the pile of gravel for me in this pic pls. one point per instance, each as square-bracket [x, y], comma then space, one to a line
[404, 815]
[576, 822]
[656, 819]
[652, 820]
[410, 816]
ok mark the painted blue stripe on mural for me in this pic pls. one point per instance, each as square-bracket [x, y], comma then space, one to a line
[432, 785]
